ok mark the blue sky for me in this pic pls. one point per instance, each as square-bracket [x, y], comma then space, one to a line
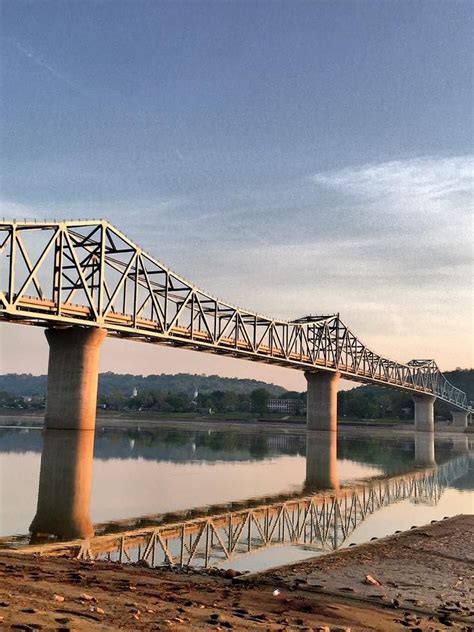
[290, 157]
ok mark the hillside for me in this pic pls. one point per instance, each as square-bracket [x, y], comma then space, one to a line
[26, 385]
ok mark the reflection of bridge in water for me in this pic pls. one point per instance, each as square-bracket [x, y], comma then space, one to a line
[320, 518]
[322, 522]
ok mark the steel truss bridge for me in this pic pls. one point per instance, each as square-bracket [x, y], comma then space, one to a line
[89, 274]
[321, 522]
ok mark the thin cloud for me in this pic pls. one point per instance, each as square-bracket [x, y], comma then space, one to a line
[430, 180]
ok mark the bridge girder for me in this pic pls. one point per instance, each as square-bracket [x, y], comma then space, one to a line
[115, 285]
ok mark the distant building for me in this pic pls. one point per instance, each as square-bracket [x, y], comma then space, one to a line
[288, 406]
[134, 393]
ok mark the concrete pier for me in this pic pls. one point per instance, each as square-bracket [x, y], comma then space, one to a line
[321, 461]
[73, 372]
[459, 419]
[321, 402]
[424, 412]
[425, 449]
[65, 485]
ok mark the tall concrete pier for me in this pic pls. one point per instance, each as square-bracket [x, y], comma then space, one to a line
[459, 419]
[321, 461]
[424, 412]
[321, 402]
[73, 373]
[65, 485]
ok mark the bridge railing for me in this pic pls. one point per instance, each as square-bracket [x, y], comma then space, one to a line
[88, 273]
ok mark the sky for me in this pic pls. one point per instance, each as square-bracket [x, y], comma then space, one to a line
[289, 157]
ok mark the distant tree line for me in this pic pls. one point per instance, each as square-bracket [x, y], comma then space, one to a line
[217, 401]
[184, 393]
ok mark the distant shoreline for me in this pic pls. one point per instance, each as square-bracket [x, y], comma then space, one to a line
[115, 419]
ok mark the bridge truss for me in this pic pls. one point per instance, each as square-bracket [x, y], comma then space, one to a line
[89, 274]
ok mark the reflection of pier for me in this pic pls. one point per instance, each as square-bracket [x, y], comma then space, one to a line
[320, 521]
[65, 484]
[321, 461]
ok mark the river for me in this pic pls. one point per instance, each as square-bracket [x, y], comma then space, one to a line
[123, 477]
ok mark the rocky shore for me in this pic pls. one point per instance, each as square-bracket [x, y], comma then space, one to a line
[420, 580]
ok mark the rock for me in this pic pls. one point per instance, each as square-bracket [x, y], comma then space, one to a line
[88, 597]
[323, 628]
[58, 598]
[276, 592]
[231, 573]
[99, 610]
[371, 581]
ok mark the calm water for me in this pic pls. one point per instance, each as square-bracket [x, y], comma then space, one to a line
[136, 474]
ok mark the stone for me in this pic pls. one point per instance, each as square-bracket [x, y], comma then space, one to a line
[88, 597]
[58, 598]
[371, 581]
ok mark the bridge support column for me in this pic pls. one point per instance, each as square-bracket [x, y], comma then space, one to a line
[321, 401]
[459, 419]
[321, 461]
[65, 485]
[424, 449]
[73, 373]
[424, 412]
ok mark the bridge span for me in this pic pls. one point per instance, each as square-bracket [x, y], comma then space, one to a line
[84, 279]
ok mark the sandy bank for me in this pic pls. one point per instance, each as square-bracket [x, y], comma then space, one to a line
[425, 575]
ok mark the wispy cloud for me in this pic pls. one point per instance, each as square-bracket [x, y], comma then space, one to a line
[427, 184]
[41, 62]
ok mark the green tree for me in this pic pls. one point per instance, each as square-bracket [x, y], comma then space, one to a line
[259, 399]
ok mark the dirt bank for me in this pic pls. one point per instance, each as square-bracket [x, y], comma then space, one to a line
[425, 575]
